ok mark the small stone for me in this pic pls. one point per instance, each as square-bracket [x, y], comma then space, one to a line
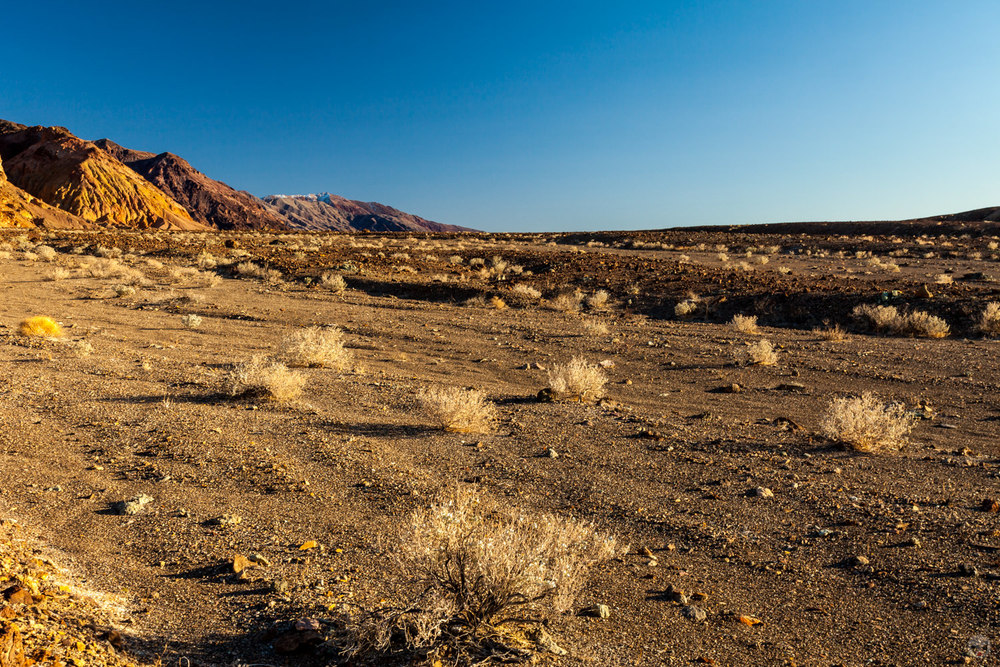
[694, 613]
[598, 611]
[761, 492]
[552, 454]
[18, 594]
[790, 386]
[545, 642]
[857, 561]
[227, 520]
[133, 506]
[991, 505]
[921, 604]
[913, 542]
[260, 559]
[11, 646]
[308, 544]
[968, 570]
[240, 563]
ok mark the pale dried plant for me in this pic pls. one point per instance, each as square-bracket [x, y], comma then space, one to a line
[333, 282]
[46, 253]
[526, 291]
[496, 303]
[317, 347]
[122, 291]
[265, 378]
[722, 257]
[595, 328]
[943, 279]
[484, 570]
[458, 410]
[686, 308]
[56, 273]
[746, 324]
[577, 380]
[206, 260]
[598, 300]
[78, 348]
[568, 302]
[867, 424]
[762, 259]
[833, 333]
[762, 353]
[784, 270]
[924, 325]
[192, 321]
[989, 320]
[455, 260]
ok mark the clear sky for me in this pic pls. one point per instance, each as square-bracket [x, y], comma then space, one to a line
[539, 116]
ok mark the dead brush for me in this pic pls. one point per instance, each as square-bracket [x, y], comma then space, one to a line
[317, 347]
[458, 410]
[568, 302]
[989, 321]
[488, 573]
[866, 424]
[260, 377]
[576, 380]
[762, 353]
[834, 334]
[746, 324]
[40, 326]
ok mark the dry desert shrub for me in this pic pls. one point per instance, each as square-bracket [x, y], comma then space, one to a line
[57, 273]
[745, 324]
[943, 279]
[497, 303]
[762, 353]
[46, 253]
[78, 348]
[924, 325]
[333, 282]
[881, 318]
[485, 571]
[458, 410]
[40, 326]
[192, 321]
[833, 333]
[598, 300]
[686, 308]
[989, 321]
[526, 291]
[867, 424]
[264, 378]
[577, 380]
[595, 328]
[568, 302]
[317, 347]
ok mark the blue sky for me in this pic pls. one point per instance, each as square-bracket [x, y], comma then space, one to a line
[539, 116]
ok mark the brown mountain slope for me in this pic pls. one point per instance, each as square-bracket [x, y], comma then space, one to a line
[325, 211]
[80, 178]
[209, 201]
[19, 209]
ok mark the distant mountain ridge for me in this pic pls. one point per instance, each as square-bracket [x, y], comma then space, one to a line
[326, 211]
[103, 184]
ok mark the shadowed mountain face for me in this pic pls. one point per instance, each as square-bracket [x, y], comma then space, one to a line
[19, 209]
[80, 178]
[209, 201]
[327, 212]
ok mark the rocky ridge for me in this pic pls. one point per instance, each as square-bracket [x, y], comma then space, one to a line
[329, 212]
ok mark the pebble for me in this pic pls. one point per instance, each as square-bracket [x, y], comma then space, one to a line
[991, 505]
[968, 570]
[241, 563]
[552, 454]
[227, 520]
[133, 506]
[761, 492]
[260, 559]
[857, 561]
[694, 613]
[598, 611]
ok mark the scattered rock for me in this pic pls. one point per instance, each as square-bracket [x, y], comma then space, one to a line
[991, 505]
[552, 454]
[968, 570]
[790, 386]
[308, 544]
[11, 646]
[18, 594]
[857, 561]
[694, 613]
[259, 559]
[545, 642]
[597, 611]
[133, 506]
[727, 389]
[913, 542]
[241, 563]
[226, 520]
[761, 492]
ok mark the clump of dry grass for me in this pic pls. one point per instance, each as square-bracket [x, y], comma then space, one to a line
[192, 321]
[40, 326]
[686, 308]
[333, 282]
[57, 273]
[317, 347]
[526, 291]
[568, 302]
[989, 321]
[485, 570]
[577, 380]
[914, 323]
[595, 328]
[458, 410]
[833, 333]
[745, 324]
[497, 303]
[264, 378]
[598, 300]
[867, 424]
[762, 353]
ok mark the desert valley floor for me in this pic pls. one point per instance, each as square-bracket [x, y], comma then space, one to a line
[728, 493]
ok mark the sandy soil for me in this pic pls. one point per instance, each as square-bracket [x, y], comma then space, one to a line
[665, 463]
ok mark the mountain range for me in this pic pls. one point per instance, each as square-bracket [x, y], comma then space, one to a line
[51, 178]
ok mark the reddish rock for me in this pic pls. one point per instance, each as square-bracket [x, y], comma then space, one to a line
[11, 646]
